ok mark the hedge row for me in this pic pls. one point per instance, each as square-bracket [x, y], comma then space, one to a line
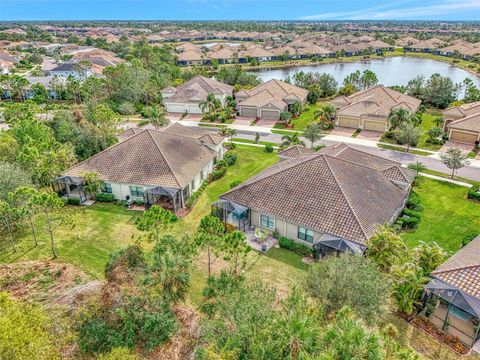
[474, 193]
[297, 248]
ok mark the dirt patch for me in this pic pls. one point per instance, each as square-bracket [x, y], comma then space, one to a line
[40, 281]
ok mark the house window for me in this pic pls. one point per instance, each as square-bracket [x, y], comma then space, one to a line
[193, 185]
[106, 188]
[267, 221]
[305, 234]
[136, 191]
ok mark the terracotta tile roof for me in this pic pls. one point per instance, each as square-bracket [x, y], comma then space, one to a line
[463, 110]
[197, 90]
[295, 151]
[153, 158]
[128, 133]
[462, 270]
[323, 193]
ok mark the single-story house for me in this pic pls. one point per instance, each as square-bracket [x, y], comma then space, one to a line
[187, 97]
[294, 151]
[462, 123]
[74, 69]
[452, 297]
[369, 109]
[159, 167]
[269, 99]
[332, 200]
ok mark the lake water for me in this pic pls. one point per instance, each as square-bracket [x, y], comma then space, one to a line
[390, 71]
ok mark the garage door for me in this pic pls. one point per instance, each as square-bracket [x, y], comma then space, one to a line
[194, 109]
[244, 111]
[353, 123]
[270, 114]
[374, 125]
[463, 137]
[175, 108]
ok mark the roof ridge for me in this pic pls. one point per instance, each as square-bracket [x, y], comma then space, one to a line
[455, 269]
[374, 155]
[344, 195]
[161, 153]
[464, 118]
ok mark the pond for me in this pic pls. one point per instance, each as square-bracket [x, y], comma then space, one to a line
[391, 71]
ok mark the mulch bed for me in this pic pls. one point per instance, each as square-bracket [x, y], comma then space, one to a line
[449, 340]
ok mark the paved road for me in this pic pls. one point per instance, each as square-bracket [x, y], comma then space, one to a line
[432, 163]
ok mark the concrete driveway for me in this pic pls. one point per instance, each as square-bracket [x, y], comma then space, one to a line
[342, 131]
[243, 120]
[266, 123]
[466, 148]
[370, 135]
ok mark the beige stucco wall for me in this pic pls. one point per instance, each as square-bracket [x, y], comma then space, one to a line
[285, 228]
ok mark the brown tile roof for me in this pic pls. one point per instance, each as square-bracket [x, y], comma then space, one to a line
[377, 102]
[469, 123]
[197, 90]
[323, 193]
[128, 133]
[463, 110]
[152, 158]
[462, 270]
[207, 137]
[272, 92]
[295, 151]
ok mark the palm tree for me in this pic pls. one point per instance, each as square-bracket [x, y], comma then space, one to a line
[210, 105]
[313, 133]
[325, 114]
[294, 139]
[157, 117]
[398, 117]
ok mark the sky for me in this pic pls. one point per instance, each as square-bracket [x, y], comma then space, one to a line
[239, 10]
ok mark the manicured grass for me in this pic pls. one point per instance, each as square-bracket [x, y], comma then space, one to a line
[250, 141]
[285, 132]
[287, 257]
[307, 117]
[427, 124]
[448, 217]
[447, 176]
[399, 148]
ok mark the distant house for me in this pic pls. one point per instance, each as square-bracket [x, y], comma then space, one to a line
[332, 200]
[454, 292]
[159, 167]
[269, 99]
[187, 97]
[369, 109]
[74, 69]
[462, 123]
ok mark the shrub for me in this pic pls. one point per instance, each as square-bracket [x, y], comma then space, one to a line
[406, 222]
[139, 202]
[73, 201]
[414, 202]
[194, 197]
[276, 234]
[221, 163]
[235, 183]
[102, 197]
[291, 245]
[231, 158]
[474, 193]
[217, 174]
[390, 134]
[268, 148]
[411, 213]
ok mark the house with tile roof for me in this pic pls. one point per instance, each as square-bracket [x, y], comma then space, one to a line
[369, 109]
[159, 167]
[332, 200]
[187, 97]
[268, 100]
[452, 297]
[462, 123]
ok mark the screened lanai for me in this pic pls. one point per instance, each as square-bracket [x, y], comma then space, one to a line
[332, 245]
[232, 213]
[455, 312]
[166, 197]
[70, 187]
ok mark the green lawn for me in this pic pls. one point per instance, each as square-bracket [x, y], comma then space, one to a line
[306, 117]
[448, 217]
[427, 124]
[250, 141]
[402, 149]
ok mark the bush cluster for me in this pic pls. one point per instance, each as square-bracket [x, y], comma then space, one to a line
[268, 148]
[297, 248]
[102, 197]
[474, 193]
[194, 197]
[235, 183]
[73, 201]
[231, 158]
[218, 173]
[411, 215]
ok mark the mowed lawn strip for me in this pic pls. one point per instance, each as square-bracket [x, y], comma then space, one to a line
[448, 217]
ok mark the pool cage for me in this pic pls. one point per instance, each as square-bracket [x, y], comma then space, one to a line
[166, 197]
[332, 245]
[70, 187]
[232, 213]
[458, 303]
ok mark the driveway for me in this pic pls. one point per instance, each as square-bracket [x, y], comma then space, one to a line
[266, 123]
[342, 131]
[370, 135]
[466, 148]
[243, 120]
